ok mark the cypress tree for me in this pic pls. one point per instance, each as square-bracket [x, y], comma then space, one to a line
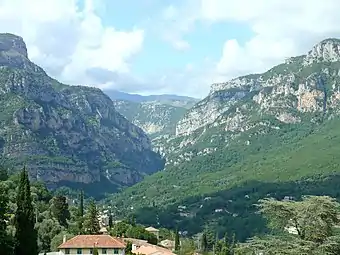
[80, 213]
[95, 251]
[204, 242]
[110, 220]
[81, 204]
[177, 241]
[25, 234]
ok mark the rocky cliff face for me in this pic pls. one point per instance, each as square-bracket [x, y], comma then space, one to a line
[65, 133]
[156, 118]
[304, 88]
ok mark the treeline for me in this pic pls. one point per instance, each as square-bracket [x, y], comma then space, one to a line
[33, 219]
[309, 226]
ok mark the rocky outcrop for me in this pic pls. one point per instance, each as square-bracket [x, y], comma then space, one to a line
[303, 88]
[65, 133]
[156, 118]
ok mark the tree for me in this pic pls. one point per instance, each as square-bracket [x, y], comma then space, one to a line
[80, 213]
[47, 230]
[81, 204]
[91, 223]
[60, 210]
[177, 244]
[95, 251]
[110, 220]
[25, 234]
[204, 242]
[313, 218]
[5, 239]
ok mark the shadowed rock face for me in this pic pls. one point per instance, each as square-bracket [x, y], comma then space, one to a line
[65, 133]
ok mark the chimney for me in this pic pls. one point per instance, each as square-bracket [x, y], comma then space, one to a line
[64, 239]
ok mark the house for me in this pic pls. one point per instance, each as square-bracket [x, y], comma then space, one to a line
[136, 243]
[169, 244]
[84, 244]
[143, 247]
[152, 250]
[103, 231]
[154, 231]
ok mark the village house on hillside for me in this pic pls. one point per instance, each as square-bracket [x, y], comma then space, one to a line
[154, 231]
[84, 244]
[145, 248]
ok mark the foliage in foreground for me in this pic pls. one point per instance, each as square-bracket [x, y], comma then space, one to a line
[314, 219]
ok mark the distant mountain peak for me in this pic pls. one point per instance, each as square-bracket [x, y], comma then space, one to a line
[14, 43]
[13, 51]
[327, 50]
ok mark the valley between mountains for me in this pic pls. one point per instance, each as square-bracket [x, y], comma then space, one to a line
[179, 162]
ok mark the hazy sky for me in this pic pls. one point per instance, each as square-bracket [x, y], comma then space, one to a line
[163, 46]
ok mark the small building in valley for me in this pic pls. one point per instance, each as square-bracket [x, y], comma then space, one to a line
[84, 244]
[154, 231]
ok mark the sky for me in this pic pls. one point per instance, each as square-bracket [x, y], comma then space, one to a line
[162, 46]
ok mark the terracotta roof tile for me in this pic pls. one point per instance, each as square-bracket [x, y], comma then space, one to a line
[89, 241]
[155, 250]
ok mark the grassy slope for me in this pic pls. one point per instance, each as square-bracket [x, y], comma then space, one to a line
[279, 156]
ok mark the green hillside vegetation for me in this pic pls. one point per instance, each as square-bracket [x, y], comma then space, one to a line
[287, 157]
[52, 216]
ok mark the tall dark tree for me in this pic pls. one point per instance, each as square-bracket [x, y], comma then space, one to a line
[80, 213]
[177, 243]
[110, 220]
[95, 251]
[3, 174]
[81, 204]
[25, 234]
[91, 224]
[204, 242]
[5, 239]
[60, 210]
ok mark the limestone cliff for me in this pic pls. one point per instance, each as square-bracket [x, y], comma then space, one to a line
[65, 133]
[303, 88]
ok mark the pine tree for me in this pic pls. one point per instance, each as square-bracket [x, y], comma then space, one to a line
[177, 244]
[91, 223]
[25, 234]
[60, 210]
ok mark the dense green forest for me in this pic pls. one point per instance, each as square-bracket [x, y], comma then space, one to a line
[290, 161]
[32, 220]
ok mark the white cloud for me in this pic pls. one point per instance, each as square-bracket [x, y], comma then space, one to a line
[69, 42]
[281, 29]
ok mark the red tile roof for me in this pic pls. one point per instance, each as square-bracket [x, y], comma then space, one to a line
[89, 241]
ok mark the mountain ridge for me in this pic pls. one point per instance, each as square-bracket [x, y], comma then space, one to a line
[249, 128]
[65, 133]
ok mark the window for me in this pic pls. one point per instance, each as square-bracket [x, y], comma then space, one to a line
[91, 250]
[79, 251]
[115, 251]
[67, 251]
[104, 251]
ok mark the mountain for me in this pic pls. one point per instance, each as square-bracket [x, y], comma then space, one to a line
[155, 118]
[269, 134]
[66, 135]
[174, 100]
[157, 115]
